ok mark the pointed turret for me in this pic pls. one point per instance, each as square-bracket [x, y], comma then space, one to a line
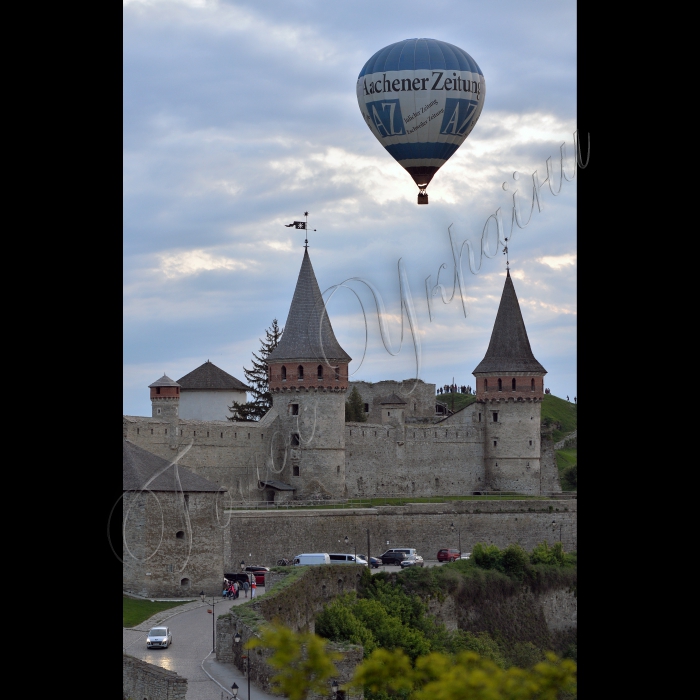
[509, 369]
[308, 354]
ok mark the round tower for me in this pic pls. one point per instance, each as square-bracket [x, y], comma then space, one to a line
[509, 392]
[308, 379]
[165, 398]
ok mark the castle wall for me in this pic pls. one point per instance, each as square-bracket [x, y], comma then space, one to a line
[269, 535]
[143, 680]
[208, 405]
[156, 561]
[414, 459]
[420, 403]
[233, 455]
[512, 445]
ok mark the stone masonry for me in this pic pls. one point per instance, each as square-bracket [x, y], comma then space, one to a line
[144, 681]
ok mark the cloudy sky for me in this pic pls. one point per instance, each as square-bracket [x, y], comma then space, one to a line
[240, 116]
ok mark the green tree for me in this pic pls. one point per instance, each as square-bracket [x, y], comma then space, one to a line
[302, 662]
[354, 408]
[258, 381]
[304, 666]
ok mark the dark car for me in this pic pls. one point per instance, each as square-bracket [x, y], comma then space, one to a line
[259, 572]
[374, 563]
[392, 558]
[448, 555]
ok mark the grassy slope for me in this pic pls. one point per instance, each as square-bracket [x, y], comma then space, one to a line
[565, 413]
[460, 400]
[134, 612]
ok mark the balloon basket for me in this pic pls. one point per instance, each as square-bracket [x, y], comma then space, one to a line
[422, 199]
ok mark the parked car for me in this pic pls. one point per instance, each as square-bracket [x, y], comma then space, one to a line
[159, 638]
[448, 555]
[312, 559]
[347, 559]
[466, 555]
[259, 572]
[392, 557]
[412, 560]
[374, 563]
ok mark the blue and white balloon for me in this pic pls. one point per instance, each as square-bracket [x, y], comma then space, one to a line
[421, 98]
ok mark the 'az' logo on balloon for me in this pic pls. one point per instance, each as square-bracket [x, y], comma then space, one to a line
[458, 116]
[385, 115]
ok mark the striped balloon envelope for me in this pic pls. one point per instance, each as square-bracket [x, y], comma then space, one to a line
[421, 99]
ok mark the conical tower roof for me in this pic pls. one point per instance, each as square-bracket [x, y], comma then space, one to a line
[308, 334]
[509, 349]
[164, 381]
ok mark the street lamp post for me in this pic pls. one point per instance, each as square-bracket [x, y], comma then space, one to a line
[334, 689]
[213, 621]
[237, 639]
[459, 536]
[347, 539]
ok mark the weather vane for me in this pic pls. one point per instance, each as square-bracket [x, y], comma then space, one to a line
[302, 225]
[505, 252]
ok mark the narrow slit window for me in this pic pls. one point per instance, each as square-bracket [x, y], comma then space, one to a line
[486, 384]
[366, 408]
[320, 371]
[337, 374]
[494, 443]
[295, 409]
[295, 470]
[300, 372]
[532, 385]
[500, 384]
[495, 417]
[295, 439]
[284, 373]
[513, 383]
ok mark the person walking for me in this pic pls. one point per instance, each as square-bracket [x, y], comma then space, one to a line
[246, 586]
[253, 587]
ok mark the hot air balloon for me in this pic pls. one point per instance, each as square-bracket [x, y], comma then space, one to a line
[421, 98]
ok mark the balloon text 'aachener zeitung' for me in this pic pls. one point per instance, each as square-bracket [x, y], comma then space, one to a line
[457, 82]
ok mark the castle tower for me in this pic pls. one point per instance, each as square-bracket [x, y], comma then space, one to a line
[509, 389]
[165, 398]
[308, 378]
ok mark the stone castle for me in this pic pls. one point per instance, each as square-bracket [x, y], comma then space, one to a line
[303, 448]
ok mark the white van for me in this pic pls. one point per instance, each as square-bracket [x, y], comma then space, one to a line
[311, 559]
[346, 559]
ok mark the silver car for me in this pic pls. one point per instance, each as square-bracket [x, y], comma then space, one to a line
[412, 560]
[159, 638]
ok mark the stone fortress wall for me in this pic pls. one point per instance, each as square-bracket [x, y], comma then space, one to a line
[262, 537]
[141, 680]
[409, 454]
[174, 544]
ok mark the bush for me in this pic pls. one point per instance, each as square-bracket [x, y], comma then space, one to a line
[515, 561]
[487, 556]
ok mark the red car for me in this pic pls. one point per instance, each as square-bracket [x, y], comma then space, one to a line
[448, 555]
[259, 572]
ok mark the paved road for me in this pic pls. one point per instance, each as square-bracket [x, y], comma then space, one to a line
[189, 654]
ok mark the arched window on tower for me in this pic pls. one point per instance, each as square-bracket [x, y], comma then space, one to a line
[500, 384]
[532, 385]
[337, 373]
[284, 373]
[300, 371]
[513, 383]
[320, 371]
[486, 384]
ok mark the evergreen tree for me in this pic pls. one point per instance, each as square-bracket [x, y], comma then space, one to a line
[354, 408]
[257, 380]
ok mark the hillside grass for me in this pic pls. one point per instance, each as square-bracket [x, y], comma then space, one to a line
[135, 611]
[559, 411]
[460, 400]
